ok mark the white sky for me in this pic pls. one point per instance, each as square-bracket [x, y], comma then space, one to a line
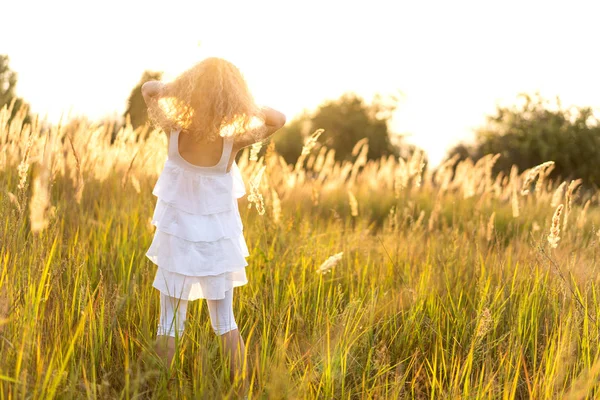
[452, 60]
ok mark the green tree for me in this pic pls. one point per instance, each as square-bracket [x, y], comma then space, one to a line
[345, 121]
[290, 139]
[8, 83]
[136, 106]
[536, 131]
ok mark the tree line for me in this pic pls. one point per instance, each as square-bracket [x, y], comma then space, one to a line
[528, 133]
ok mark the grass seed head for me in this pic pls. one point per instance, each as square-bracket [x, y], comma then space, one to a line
[553, 237]
[330, 263]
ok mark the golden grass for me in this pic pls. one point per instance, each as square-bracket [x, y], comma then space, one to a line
[421, 299]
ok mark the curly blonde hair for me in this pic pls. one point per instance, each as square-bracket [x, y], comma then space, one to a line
[208, 100]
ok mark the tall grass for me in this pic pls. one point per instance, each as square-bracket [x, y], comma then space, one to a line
[438, 284]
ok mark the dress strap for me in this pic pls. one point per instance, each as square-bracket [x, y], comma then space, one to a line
[227, 146]
[173, 143]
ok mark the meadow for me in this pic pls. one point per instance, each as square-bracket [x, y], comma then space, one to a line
[367, 279]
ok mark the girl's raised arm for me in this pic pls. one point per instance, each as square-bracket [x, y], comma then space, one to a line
[152, 91]
[274, 120]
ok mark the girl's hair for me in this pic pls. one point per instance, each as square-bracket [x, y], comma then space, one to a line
[209, 98]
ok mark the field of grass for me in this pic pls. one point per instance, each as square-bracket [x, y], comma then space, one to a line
[447, 286]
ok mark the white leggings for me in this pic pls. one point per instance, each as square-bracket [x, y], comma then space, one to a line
[173, 314]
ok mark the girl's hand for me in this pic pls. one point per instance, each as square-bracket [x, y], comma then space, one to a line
[272, 117]
[152, 89]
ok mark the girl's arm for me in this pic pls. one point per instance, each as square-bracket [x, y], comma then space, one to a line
[274, 120]
[152, 91]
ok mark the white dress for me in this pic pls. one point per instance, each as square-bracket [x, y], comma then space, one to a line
[198, 245]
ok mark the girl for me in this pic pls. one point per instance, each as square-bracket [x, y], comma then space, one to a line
[199, 248]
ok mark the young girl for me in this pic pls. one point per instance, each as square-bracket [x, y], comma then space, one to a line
[199, 248]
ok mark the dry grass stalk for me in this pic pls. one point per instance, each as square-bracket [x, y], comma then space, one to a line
[315, 193]
[320, 161]
[5, 306]
[490, 227]
[135, 183]
[358, 145]
[40, 201]
[515, 201]
[254, 150]
[553, 237]
[276, 206]
[359, 162]
[255, 196]
[532, 174]
[569, 198]
[23, 167]
[433, 218]
[485, 323]
[558, 194]
[13, 199]
[400, 178]
[539, 186]
[419, 221]
[581, 219]
[393, 219]
[40, 198]
[311, 142]
[419, 176]
[80, 182]
[489, 166]
[353, 204]
[124, 180]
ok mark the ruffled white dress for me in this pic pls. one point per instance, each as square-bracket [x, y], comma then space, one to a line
[198, 245]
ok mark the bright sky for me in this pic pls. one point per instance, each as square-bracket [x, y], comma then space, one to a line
[452, 60]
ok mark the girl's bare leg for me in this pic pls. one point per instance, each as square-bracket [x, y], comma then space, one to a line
[165, 348]
[235, 349]
[224, 325]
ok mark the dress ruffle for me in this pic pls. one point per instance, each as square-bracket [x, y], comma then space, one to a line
[197, 227]
[197, 258]
[198, 193]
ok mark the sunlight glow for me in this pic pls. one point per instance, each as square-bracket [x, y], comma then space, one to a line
[453, 61]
